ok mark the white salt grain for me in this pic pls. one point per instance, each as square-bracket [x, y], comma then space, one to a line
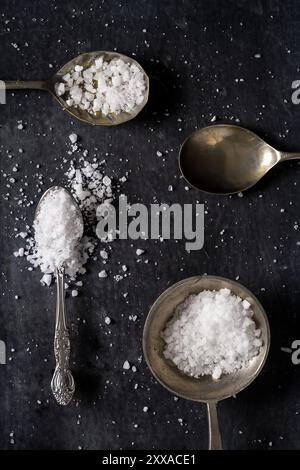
[126, 365]
[212, 333]
[102, 274]
[139, 252]
[46, 280]
[73, 138]
[104, 254]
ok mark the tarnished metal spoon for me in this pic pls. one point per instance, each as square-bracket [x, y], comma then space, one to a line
[227, 159]
[203, 389]
[62, 384]
[85, 60]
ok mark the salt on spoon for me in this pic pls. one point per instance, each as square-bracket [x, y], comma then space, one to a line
[85, 63]
[59, 223]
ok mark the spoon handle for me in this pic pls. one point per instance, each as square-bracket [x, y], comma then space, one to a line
[290, 155]
[25, 85]
[62, 384]
[215, 442]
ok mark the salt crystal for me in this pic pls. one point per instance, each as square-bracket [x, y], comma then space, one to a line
[73, 138]
[106, 181]
[126, 365]
[104, 254]
[46, 280]
[107, 320]
[60, 89]
[102, 274]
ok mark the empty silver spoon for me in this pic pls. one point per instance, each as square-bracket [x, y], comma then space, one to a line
[62, 384]
[203, 389]
[85, 60]
[227, 159]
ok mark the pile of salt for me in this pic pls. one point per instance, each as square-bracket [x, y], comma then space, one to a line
[109, 87]
[212, 333]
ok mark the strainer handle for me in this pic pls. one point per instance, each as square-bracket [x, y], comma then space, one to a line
[215, 442]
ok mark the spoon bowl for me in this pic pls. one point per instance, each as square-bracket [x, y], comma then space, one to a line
[74, 203]
[227, 159]
[203, 389]
[85, 60]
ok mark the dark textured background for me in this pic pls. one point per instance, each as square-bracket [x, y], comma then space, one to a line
[194, 52]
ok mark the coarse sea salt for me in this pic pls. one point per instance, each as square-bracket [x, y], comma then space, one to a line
[89, 186]
[86, 184]
[57, 235]
[212, 333]
[109, 87]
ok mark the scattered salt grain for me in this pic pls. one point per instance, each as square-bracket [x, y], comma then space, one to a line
[212, 333]
[107, 320]
[46, 280]
[102, 274]
[73, 138]
[74, 293]
[19, 253]
[104, 254]
[126, 365]
[139, 252]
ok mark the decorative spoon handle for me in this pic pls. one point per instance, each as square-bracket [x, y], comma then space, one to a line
[215, 442]
[62, 384]
[26, 85]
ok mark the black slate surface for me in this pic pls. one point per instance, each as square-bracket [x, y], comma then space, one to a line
[200, 59]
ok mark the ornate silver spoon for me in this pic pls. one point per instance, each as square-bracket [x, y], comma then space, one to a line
[62, 384]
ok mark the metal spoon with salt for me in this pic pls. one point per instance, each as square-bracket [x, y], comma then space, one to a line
[203, 389]
[85, 60]
[227, 159]
[62, 384]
